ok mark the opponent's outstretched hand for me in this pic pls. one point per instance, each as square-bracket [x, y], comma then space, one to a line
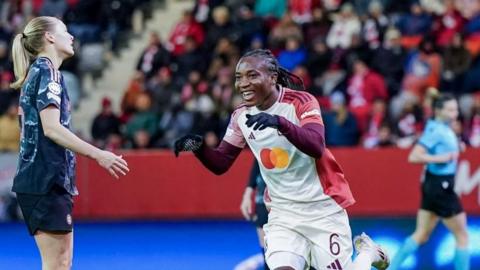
[114, 164]
[261, 121]
[190, 142]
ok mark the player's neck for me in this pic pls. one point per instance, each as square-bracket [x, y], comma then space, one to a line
[53, 57]
[269, 100]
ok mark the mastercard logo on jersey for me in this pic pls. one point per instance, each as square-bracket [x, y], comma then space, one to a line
[274, 158]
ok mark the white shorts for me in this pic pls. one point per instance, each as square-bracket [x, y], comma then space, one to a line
[323, 243]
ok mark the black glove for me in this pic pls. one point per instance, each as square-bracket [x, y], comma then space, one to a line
[262, 121]
[190, 142]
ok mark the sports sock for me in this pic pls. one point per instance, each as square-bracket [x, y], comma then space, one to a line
[409, 247]
[462, 259]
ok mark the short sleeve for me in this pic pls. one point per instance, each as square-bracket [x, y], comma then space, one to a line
[49, 89]
[234, 135]
[429, 138]
[308, 111]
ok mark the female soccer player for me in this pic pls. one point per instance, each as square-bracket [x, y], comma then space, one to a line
[45, 177]
[438, 149]
[306, 190]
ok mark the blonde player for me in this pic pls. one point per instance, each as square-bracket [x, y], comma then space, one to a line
[306, 189]
[45, 177]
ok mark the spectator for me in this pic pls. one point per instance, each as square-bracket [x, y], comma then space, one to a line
[385, 136]
[105, 125]
[85, 21]
[129, 99]
[142, 128]
[409, 124]
[175, 123]
[302, 72]
[269, 8]
[345, 25]
[364, 87]
[247, 27]
[221, 27]
[223, 91]
[378, 118]
[191, 59]
[448, 24]
[284, 30]
[375, 26]
[187, 27]
[340, 125]
[474, 125]
[225, 55]
[302, 10]
[319, 26]
[423, 69]
[415, 23]
[472, 27]
[54, 8]
[293, 55]
[456, 62]
[9, 130]
[5, 62]
[389, 60]
[7, 94]
[195, 87]
[164, 92]
[153, 57]
[318, 59]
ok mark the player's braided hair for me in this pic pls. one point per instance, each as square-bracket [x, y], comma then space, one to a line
[284, 77]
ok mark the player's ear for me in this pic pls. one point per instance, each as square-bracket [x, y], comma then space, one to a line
[49, 37]
[274, 78]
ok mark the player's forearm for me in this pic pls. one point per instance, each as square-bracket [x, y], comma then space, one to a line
[220, 159]
[309, 139]
[64, 137]
[423, 158]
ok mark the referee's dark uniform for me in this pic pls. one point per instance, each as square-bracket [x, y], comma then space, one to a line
[45, 177]
[438, 194]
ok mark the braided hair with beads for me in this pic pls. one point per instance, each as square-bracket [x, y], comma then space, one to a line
[284, 77]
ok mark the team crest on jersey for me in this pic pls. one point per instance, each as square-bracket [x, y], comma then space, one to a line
[54, 88]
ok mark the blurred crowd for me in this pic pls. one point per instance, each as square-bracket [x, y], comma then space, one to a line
[99, 28]
[374, 66]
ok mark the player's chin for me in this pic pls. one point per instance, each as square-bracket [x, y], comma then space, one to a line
[69, 52]
[250, 103]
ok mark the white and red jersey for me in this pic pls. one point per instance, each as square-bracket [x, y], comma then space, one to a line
[292, 176]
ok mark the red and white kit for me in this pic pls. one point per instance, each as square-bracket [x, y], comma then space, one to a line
[306, 196]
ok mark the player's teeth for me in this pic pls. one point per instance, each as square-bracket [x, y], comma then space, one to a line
[247, 94]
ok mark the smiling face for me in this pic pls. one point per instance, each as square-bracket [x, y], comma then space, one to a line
[256, 84]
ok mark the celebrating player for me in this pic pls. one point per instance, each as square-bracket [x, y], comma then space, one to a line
[306, 190]
[45, 177]
[438, 148]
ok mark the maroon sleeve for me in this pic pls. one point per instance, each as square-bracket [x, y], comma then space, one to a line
[220, 159]
[309, 138]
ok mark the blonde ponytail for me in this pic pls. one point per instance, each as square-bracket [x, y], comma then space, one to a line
[21, 61]
[27, 45]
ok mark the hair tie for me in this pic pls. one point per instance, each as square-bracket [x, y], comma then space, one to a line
[23, 35]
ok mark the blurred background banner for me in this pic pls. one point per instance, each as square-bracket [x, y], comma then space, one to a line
[161, 186]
